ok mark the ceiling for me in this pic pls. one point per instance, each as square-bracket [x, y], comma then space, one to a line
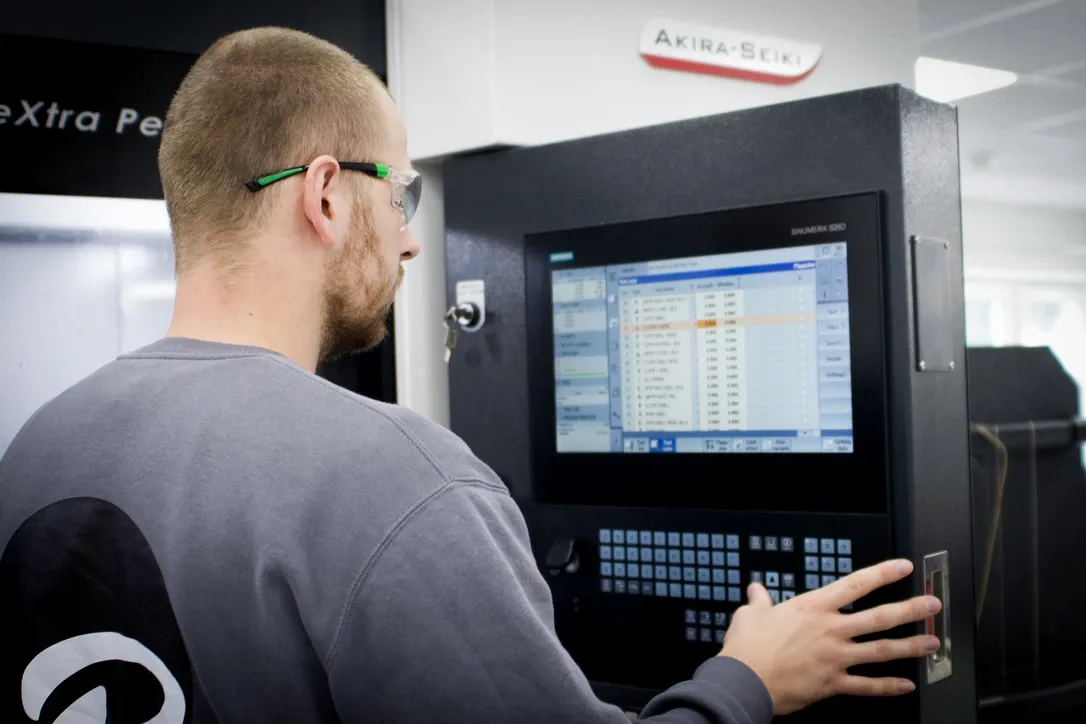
[1025, 143]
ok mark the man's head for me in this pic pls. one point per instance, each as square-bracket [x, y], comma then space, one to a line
[267, 100]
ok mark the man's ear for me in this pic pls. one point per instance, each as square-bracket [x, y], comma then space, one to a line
[317, 202]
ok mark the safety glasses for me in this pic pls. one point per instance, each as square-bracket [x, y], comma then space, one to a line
[406, 185]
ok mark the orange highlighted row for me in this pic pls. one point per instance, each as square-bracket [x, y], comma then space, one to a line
[805, 317]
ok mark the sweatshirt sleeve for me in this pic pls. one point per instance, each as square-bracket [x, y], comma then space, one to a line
[452, 622]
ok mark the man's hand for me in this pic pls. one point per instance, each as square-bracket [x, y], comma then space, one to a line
[801, 648]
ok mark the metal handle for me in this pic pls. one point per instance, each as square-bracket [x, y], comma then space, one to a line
[937, 583]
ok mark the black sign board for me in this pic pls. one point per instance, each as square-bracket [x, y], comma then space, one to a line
[84, 119]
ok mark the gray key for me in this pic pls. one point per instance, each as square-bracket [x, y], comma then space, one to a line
[452, 332]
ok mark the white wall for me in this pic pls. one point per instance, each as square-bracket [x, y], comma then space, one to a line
[1044, 242]
[477, 73]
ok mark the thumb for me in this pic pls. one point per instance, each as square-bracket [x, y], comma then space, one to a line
[758, 596]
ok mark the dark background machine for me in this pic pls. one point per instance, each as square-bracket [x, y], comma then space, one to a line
[724, 350]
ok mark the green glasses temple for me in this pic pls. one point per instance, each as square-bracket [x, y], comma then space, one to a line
[377, 170]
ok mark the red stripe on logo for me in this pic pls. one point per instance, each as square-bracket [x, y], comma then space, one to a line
[709, 69]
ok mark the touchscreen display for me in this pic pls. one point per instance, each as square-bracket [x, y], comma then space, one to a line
[745, 352]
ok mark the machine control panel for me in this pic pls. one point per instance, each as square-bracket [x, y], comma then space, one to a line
[715, 568]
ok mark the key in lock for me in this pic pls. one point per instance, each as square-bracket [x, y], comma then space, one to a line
[459, 316]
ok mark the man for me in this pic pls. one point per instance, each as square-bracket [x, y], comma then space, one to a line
[204, 531]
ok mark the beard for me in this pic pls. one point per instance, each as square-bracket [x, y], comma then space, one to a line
[359, 293]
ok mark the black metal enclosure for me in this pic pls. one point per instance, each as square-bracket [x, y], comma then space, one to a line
[876, 168]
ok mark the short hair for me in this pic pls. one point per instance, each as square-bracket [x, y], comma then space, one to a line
[258, 101]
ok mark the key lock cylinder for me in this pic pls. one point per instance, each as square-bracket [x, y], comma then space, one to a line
[466, 315]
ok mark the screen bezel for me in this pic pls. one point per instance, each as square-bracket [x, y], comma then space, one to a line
[853, 482]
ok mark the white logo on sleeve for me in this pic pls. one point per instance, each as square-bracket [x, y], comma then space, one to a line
[56, 664]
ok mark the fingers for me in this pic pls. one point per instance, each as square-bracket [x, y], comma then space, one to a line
[874, 652]
[758, 596]
[847, 590]
[891, 615]
[863, 686]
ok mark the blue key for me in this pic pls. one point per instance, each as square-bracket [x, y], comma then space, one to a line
[704, 593]
[674, 556]
[605, 568]
[812, 581]
[689, 558]
[675, 573]
[605, 535]
[719, 593]
[703, 558]
[661, 573]
[646, 537]
[619, 537]
[733, 560]
[646, 554]
[633, 570]
[659, 538]
[676, 590]
[703, 575]
[689, 574]
[661, 590]
[718, 558]
[844, 565]
[733, 595]
[717, 540]
[718, 575]
[605, 552]
[733, 577]
[633, 554]
[673, 540]
[688, 540]
[703, 540]
[733, 542]
[660, 555]
[690, 590]
[620, 569]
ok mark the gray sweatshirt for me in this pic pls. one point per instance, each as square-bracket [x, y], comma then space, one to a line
[208, 533]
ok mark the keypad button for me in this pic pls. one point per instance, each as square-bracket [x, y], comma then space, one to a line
[827, 580]
[844, 547]
[828, 546]
[646, 555]
[718, 635]
[675, 573]
[606, 585]
[706, 636]
[691, 633]
[755, 576]
[788, 580]
[661, 573]
[661, 590]
[771, 543]
[733, 542]
[733, 577]
[690, 616]
[689, 558]
[717, 540]
[620, 585]
[618, 537]
[844, 565]
[773, 579]
[756, 542]
[810, 545]
[631, 537]
[688, 540]
[633, 588]
[605, 535]
[690, 590]
[620, 553]
[659, 539]
[605, 568]
[787, 544]
[660, 555]
[703, 558]
[705, 618]
[704, 575]
[720, 618]
[703, 540]
[810, 563]
[718, 558]
[704, 593]
[690, 574]
[673, 540]
[811, 581]
[719, 593]
[605, 553]
[620, 569]
[646, 588]
[828, 565]
[787, 595]
[733, 560]
[775, 595]
[718, 575]
[646, 537]
[633, 570]
[633, 554]
[675, 590]
[733, 594]
[674, 556]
